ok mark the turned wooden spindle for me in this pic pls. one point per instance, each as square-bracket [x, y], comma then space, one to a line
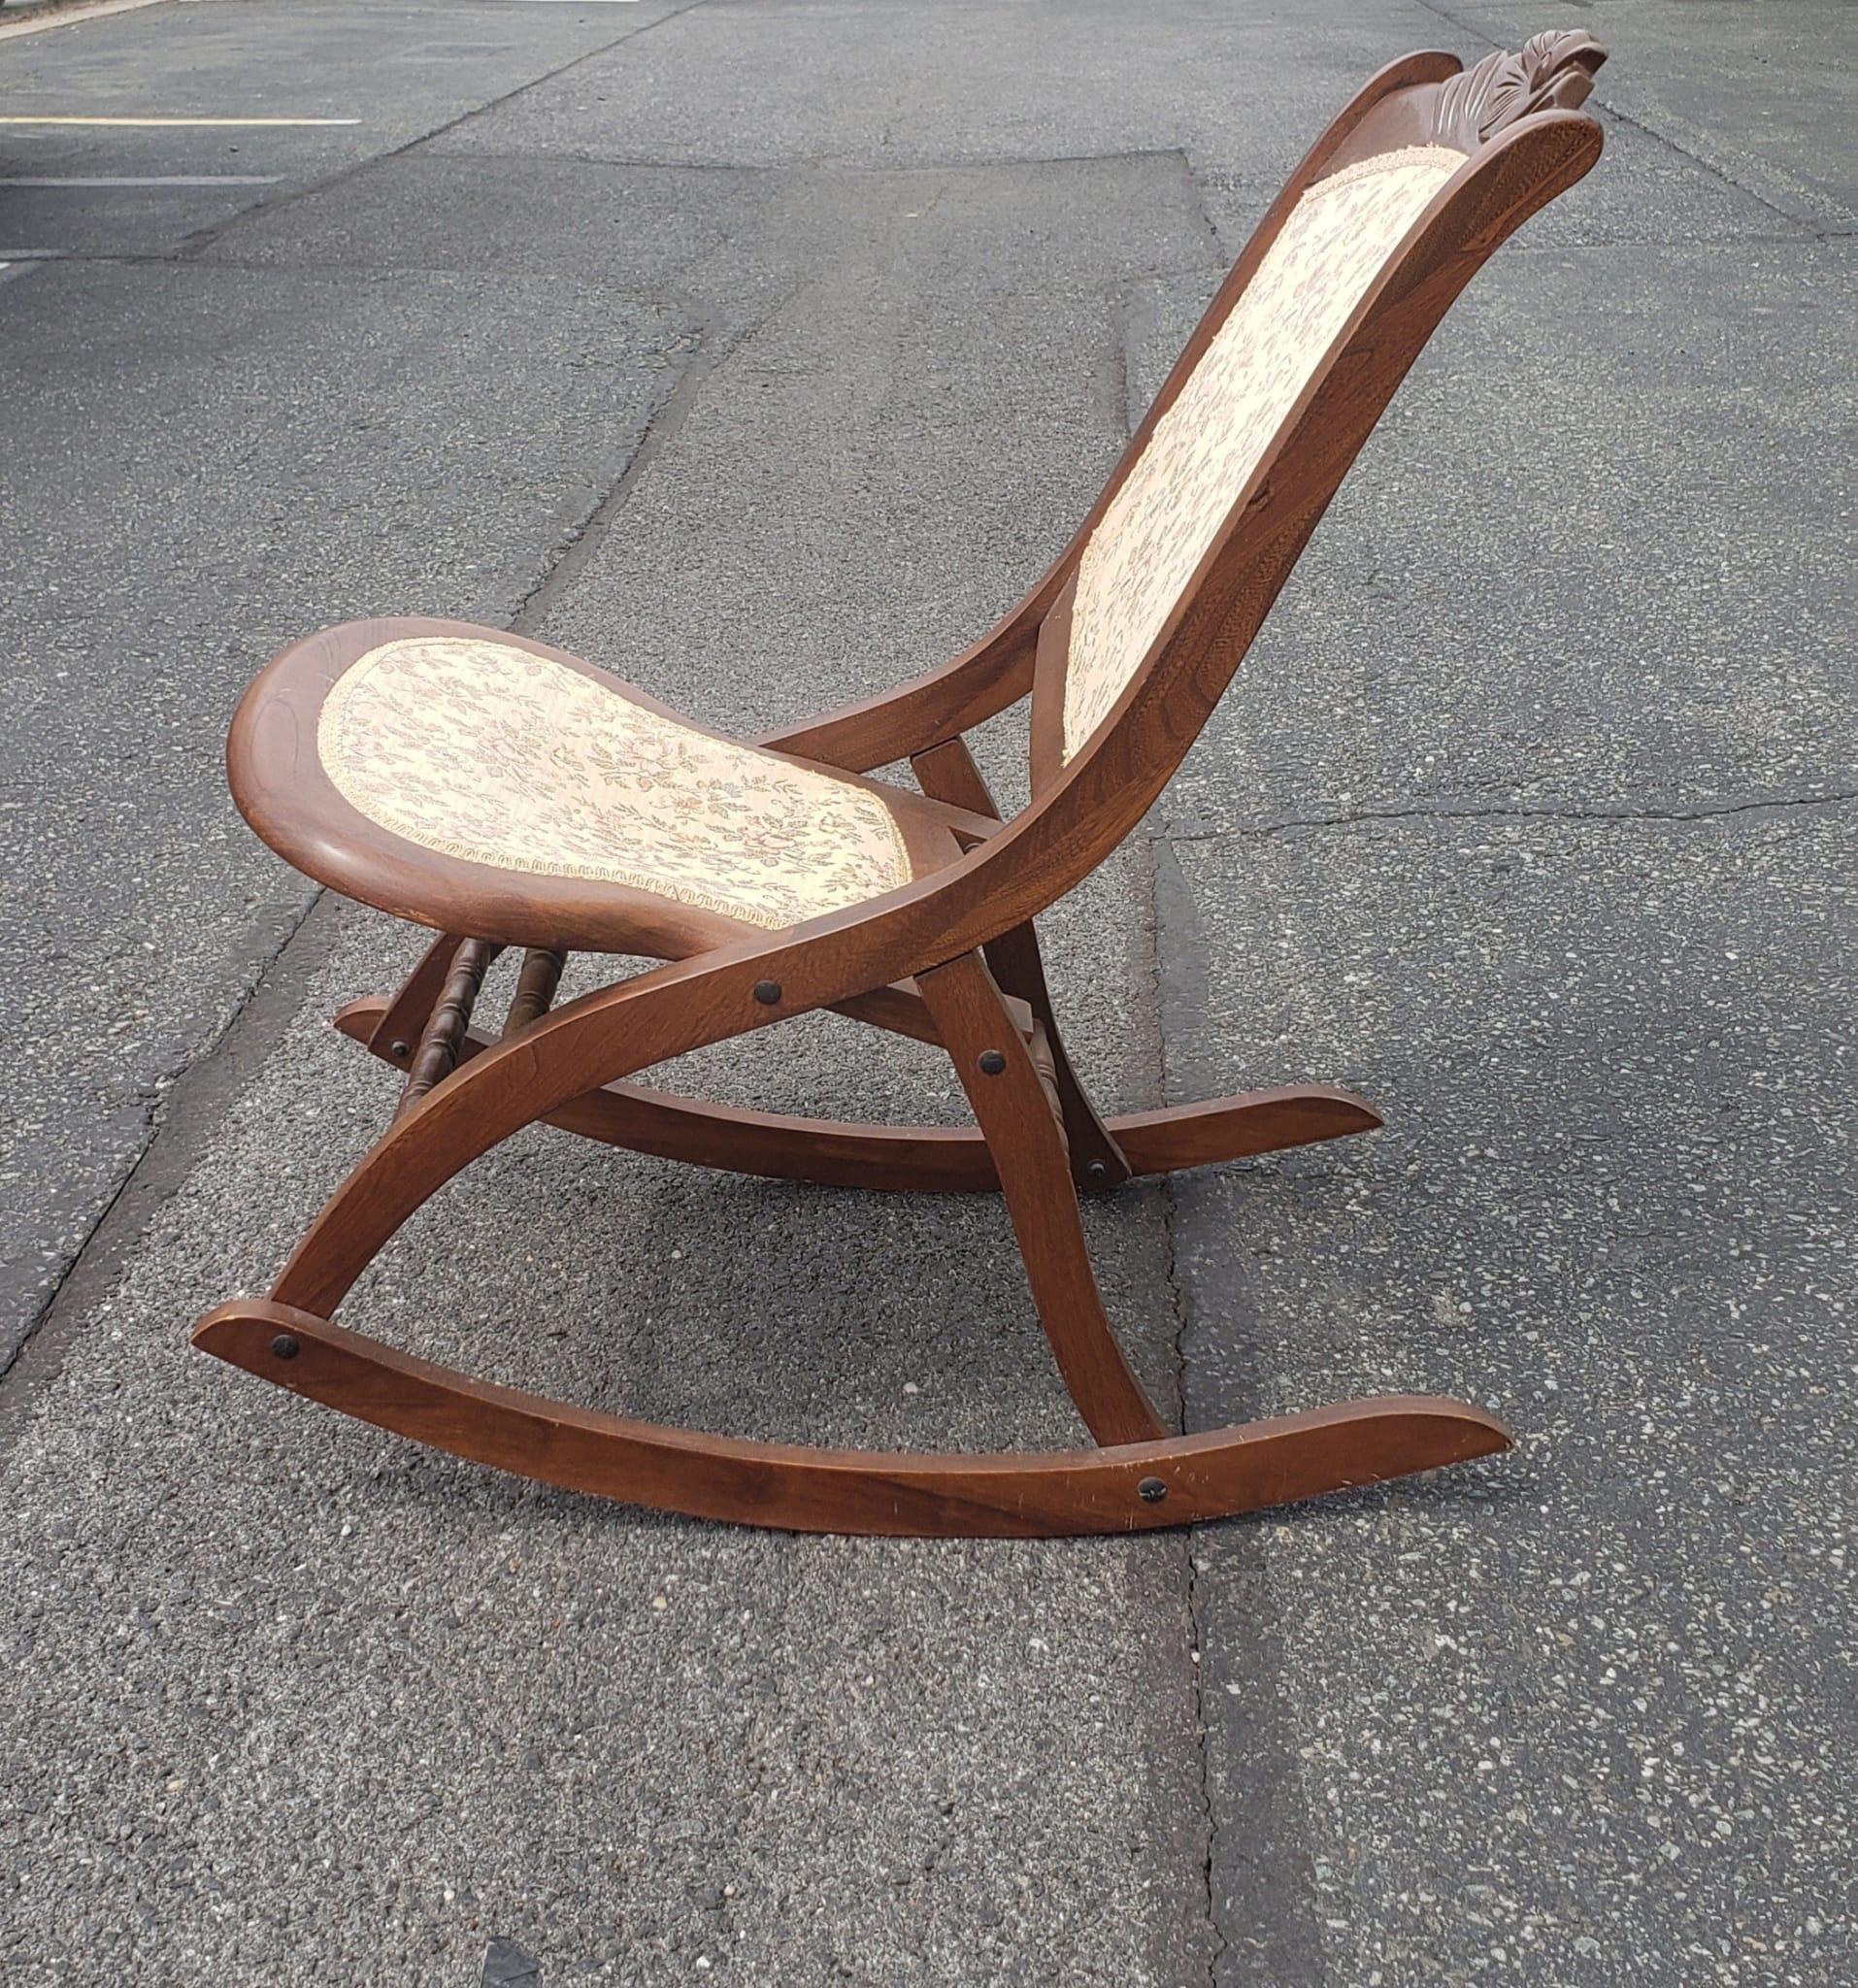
[535, 986]
[1038, 1044]
[438, 1051]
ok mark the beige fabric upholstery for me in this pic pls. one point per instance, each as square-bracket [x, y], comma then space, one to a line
[1160, 524]
[488, 752]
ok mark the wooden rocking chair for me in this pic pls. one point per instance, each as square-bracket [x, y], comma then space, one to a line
[506, 794]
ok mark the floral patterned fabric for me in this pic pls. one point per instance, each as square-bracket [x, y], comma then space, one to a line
[1161, 522]
[483, 750]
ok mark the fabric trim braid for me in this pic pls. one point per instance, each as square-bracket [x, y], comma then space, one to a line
[1446, 156]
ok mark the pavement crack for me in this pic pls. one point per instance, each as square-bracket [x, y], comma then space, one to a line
[585, 535]
[1498, 37]
[105, 1240]
[1206, 1817]
[1209, 226]
[1804, 226]
[1448, 811]
[203, 239]
[631, 34]
[1160, 859]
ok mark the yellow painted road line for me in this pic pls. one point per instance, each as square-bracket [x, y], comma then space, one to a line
[182, 123]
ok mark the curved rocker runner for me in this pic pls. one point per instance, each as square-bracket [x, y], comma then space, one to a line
[511, 796]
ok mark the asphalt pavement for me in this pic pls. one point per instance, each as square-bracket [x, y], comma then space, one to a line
[762, 352]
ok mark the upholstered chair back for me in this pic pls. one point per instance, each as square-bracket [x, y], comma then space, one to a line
[1161, 523]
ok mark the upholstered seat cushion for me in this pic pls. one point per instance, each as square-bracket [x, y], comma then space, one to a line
[485, 782]
[494, 753]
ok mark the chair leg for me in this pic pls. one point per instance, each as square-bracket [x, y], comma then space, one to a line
[397, 1029]
[1096, 1159]
[436, 1055]
[1016, 1116]
[948, 772]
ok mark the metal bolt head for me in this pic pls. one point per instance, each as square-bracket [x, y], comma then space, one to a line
[767, 992]
[992, 1063]
[1151, 1490]
[1096, 1170]
[399, 1052]
[284, 1346]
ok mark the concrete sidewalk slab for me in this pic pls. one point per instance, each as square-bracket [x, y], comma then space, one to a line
[1576, 1717]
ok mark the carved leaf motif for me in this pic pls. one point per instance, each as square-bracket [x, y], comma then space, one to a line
[1550, 70]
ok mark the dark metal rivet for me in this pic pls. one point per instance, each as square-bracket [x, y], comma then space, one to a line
[399, 1051]
[767, 992]
[284, 1346]
[1097, 1170]
[1151, 1490]
[992, 1063]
